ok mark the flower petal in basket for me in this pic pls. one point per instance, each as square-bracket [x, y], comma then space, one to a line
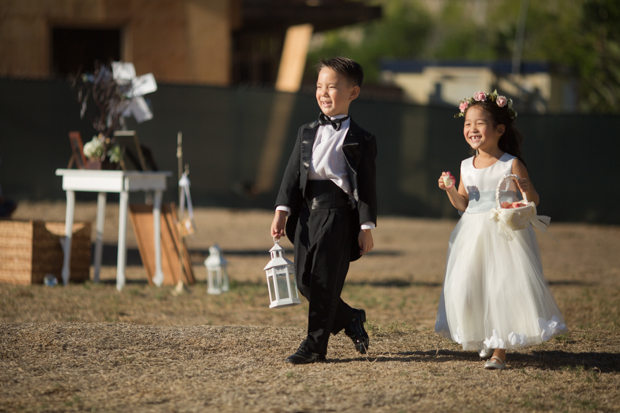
[518, 218]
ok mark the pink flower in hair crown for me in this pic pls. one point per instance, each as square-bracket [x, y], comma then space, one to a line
[480, 96]
[500, 101]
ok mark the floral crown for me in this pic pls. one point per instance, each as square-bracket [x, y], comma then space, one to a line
[501, 101]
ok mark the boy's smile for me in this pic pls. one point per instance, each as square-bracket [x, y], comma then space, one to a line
[334, 93]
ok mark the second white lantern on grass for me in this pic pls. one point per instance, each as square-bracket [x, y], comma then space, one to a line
[281, 279]
[217, 273]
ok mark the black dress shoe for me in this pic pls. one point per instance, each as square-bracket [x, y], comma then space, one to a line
[304, 356]
[356, 331]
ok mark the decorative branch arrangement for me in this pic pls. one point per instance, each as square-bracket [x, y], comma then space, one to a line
[110, 99]
[106, 97]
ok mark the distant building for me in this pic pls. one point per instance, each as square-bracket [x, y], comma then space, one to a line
[215, 42]
[536, 89]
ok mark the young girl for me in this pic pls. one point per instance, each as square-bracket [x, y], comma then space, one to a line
[494, 294]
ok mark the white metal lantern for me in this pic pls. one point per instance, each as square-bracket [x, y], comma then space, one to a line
[281, 279]
[217, 273]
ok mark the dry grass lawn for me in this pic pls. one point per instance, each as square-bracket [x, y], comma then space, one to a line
[87, 347]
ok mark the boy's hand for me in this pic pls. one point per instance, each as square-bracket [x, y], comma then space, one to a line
[365, 242]
[277, 226]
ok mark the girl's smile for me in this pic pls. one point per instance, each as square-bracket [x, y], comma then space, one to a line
[479, 131]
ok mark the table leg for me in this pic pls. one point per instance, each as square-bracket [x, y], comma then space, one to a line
[122, 237]
[158, 278]
[101, 200]
[66, 266]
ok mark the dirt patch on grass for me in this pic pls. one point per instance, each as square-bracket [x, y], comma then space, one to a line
[89, 347]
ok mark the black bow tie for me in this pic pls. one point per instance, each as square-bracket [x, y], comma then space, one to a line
[326, 120]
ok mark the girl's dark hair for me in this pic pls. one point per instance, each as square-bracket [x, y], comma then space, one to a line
[345, 67]
[510, 141]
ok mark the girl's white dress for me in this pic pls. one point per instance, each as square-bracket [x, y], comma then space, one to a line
[494, 293]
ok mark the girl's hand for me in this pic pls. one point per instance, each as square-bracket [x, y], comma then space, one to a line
[442, 181]
[525, 185]
[458, 196]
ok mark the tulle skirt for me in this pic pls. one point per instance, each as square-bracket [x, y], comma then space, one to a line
[494, 293]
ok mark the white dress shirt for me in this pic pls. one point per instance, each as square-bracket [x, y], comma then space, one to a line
[325, 166]
[328, 161]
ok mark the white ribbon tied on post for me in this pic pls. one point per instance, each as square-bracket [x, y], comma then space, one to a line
[188, 224]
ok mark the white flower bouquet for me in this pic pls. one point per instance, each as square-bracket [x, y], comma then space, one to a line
[94, 149]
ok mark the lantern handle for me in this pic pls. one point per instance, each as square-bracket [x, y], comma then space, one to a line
[276, 240]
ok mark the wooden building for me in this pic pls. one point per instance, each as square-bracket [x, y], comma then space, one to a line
[212, 42]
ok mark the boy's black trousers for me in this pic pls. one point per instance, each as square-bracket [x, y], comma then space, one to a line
[322, 256]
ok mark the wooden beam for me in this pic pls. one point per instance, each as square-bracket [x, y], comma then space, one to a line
[293, 59]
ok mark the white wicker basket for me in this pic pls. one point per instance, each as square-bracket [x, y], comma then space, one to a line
[515, 218]
[510, 220]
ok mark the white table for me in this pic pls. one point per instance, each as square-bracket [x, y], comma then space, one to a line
[121, 182]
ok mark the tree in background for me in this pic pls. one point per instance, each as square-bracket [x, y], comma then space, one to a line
[401, 33]
[581, 37]
[599, 60]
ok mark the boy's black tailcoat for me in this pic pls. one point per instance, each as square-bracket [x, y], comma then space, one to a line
[360, 151]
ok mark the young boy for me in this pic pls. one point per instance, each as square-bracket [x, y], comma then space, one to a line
[329, 195]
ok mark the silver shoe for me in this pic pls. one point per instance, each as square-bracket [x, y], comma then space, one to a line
[486, 353]
[495, 364]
